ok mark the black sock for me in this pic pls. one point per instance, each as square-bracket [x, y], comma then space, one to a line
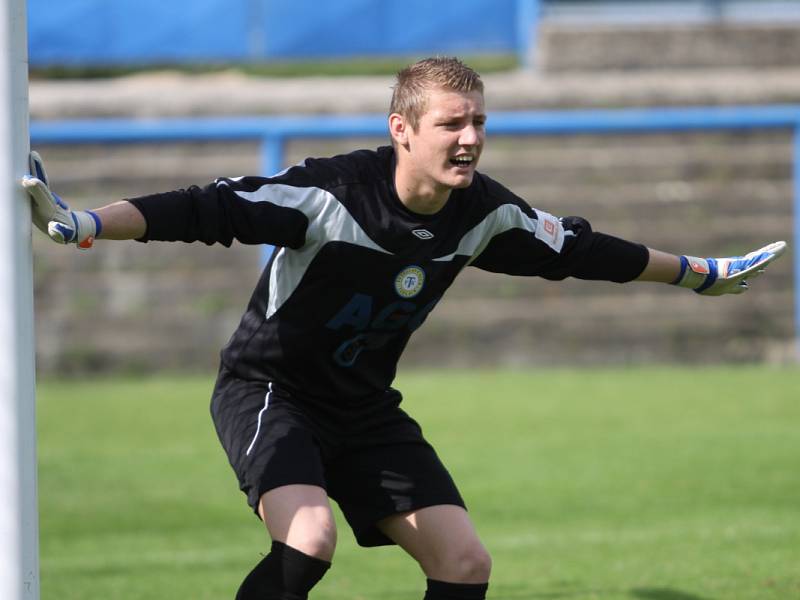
[441, 590]
[283, 574]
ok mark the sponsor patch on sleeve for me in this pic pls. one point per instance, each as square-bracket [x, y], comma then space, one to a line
[549, 230]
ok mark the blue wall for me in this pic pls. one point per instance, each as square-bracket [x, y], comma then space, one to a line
[97, 32]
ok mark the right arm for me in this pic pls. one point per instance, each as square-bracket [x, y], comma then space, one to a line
[252, 210]
[121, 221]
[246, 209]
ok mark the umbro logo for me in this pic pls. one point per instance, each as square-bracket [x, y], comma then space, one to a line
[422, 234]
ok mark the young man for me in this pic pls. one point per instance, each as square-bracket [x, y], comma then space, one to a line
[367, 243]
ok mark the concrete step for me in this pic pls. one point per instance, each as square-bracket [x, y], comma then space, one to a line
[587, 46]
[564, 159]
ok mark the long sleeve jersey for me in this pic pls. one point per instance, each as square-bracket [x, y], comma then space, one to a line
[354, 272]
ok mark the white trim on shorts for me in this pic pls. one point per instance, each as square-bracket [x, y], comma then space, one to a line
[258, 427]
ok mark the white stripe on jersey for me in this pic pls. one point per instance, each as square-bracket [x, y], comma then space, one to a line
[328, 221]
[545, 227]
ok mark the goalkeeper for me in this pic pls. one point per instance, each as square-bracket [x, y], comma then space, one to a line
[366, 245]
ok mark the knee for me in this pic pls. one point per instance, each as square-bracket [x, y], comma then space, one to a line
[284, 573]
[475, 565]
[300, 517]
[319, 543]
[471, 564]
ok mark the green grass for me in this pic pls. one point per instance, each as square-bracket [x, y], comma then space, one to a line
[357, 66]
[659, 484]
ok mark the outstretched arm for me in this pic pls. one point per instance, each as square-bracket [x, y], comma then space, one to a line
[543, 245]
[121, 221]
[221, 212]
[661, 267]
[710, 276]
[117, 221]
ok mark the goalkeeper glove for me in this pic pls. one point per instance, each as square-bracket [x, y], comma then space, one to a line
[52, 215]
[718, 276]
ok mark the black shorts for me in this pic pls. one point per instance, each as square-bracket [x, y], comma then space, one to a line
[369, 456]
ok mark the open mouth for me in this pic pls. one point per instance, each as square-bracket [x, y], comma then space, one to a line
[463, 160]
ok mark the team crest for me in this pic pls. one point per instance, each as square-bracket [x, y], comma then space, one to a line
[409, 282]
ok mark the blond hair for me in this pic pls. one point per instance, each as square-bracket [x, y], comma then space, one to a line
[410, 96]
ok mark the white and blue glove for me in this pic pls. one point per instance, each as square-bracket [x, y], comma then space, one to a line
[51, 214]
[718, 276]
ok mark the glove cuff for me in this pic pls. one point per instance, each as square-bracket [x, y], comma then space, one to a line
[87, 225]
[696, 273]
[98, 224]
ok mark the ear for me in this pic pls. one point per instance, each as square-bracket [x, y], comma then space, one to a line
[398, 129]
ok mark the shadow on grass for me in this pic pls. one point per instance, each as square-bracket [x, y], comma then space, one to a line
[506, 594]
[664, 594]
[642, 593]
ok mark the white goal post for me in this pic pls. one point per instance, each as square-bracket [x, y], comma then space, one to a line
[19, 523]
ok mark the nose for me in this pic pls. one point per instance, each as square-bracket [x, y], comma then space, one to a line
[469, 136]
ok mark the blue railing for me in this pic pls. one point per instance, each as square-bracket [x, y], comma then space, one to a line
[273, 132]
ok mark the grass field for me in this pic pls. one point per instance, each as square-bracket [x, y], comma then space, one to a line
[658, 484]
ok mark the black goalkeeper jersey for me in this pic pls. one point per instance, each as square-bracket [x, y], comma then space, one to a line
[354, 272]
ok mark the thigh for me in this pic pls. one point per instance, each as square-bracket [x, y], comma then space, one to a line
[300, 516]
[443, 540]
[385, 470]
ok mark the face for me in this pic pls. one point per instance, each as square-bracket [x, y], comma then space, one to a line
[443, 152]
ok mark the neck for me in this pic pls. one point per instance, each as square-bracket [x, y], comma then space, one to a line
[422, 197]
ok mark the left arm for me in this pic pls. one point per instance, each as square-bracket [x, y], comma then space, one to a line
[710, 276]
[661, 267]
[553, 248]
